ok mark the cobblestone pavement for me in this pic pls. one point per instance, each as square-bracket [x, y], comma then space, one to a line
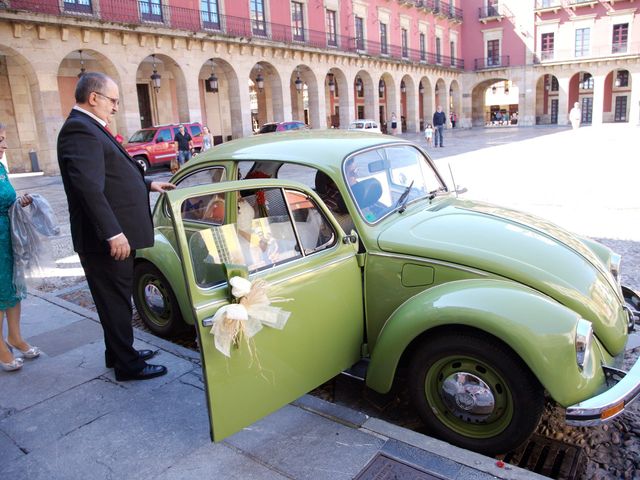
[583, 180]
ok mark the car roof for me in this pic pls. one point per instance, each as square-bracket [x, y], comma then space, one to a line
[322, 148]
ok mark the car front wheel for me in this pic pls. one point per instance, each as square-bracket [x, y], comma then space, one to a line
[474, 392]
[156, 302]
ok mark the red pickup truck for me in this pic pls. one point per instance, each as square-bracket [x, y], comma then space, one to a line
[154, 146]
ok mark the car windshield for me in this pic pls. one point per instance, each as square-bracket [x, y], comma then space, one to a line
[142, 136]
[384, 180]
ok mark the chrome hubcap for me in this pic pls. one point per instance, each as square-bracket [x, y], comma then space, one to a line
[467, 397]
[154, 299]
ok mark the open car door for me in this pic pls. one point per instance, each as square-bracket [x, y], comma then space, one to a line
[285, 238]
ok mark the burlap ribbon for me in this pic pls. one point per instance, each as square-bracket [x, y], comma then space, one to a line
[242, 320]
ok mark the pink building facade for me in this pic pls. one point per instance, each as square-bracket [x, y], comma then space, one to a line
[326, 62]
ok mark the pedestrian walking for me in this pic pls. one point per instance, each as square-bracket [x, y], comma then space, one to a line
[439, 121]
[394, 123]
[110, 217]
[453, 118]
[207, 139]
[184, 144]
[428, 134]
[575, 116]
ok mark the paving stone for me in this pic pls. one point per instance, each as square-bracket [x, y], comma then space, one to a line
[8, 448]
[38, 317]
[47, 422]
[69, 337]
[284, 440]
[141, 439]
[219, 461]
[331, 410]
[46, 377]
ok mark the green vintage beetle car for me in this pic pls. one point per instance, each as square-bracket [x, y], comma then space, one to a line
[487, 309]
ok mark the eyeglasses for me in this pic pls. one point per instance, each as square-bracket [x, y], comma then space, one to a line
[114, 101]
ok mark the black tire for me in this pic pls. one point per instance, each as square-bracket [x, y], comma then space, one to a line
[155, 301]
[454, 374]
[144, 163]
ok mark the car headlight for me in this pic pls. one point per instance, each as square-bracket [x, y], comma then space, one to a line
[584, 337]
[614, 266]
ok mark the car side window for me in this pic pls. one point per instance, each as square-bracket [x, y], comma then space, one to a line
[164, 135]
[195, 130]
[272, 227]
[299, 173]
[203, 177]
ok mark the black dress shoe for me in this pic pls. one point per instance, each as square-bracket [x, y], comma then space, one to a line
[150, 371]
[142, 355]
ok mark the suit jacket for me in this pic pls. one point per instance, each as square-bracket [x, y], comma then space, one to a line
[106, 189]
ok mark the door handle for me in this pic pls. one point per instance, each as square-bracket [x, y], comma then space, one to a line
[207, 322]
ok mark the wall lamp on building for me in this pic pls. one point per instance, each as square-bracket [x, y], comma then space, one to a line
[298, 82]
[403, 87]
[332, 83]
[260, 79]
[451, 91]
[155, 76]
[213, 80]
[82, 69]
[420, 88]
[494, 89]
[358, 84]
[381, 87]
[436, 89]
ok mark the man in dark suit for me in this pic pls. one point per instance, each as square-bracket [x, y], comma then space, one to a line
[110, 216]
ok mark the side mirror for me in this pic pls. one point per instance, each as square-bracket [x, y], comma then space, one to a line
[460, 189]
[159, 140]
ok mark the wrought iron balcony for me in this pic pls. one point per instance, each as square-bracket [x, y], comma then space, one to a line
[489, 12]
[144, 12]
[486, 63]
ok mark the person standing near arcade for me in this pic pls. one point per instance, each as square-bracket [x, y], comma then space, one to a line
[575, 116]
[110, 217]
[439, 121]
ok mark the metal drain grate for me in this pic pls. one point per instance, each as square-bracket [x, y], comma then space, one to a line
[550, 458]
[387, 468]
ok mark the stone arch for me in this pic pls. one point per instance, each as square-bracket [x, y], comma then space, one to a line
[425, 101]
[27, 112]
[366, 102]
[479, 113]
[269, 99]
[91, 61]
[408, 101]
[305, 102]
[387, 101]
[581, 90]
[547, 99]
[169, 103]
[219, 113]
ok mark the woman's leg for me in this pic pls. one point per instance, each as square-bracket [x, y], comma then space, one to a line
[5, 354]
[13, 323]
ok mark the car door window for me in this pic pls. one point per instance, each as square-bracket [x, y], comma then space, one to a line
[164, 135]
[262, 236]
[205, 208]
[195, 130]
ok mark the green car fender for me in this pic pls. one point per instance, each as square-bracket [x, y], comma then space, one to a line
[164, 257]
[538, 329]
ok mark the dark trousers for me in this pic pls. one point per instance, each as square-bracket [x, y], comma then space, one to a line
[111, 285]
[438, 132]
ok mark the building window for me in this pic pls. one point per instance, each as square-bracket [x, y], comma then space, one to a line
[423, 47]
[210, 14]
[493, 53]
[151, 10]
[332, 38]
[622, 78]
[492, 8]
[586, 82]
[297, 21]
[405, 43]
[384, 49]
[452, 52]
[547, 46]
[359, 33]
[82, 6]
[258, 21]
[620, 35]
[583, 36]
[438, 51]
[620, 114]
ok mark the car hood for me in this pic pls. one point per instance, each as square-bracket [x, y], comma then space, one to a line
[516, 246]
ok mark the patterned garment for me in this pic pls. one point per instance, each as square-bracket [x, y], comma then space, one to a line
[8, 296]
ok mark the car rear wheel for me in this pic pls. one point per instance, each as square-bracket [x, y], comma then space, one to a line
[474, 392]
[142, 161]
[156, 302]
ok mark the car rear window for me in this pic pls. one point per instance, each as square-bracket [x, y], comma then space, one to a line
[142, 136]
[268, 128]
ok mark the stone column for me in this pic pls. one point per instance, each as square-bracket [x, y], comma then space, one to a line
[317, 102]
[240, 105]
[598, 99]
[129, 112]
[45, 98]
[563, 100]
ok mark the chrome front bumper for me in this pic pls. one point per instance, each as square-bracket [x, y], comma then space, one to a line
[609, 404]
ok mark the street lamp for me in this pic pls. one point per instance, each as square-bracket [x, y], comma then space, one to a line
[298, 82]
[260, 79]
[358, 84]
[403, 87]
[381, 87]
[155, 76]
[332, 83]
[82, 69]
[420, 88]
[213, 80]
